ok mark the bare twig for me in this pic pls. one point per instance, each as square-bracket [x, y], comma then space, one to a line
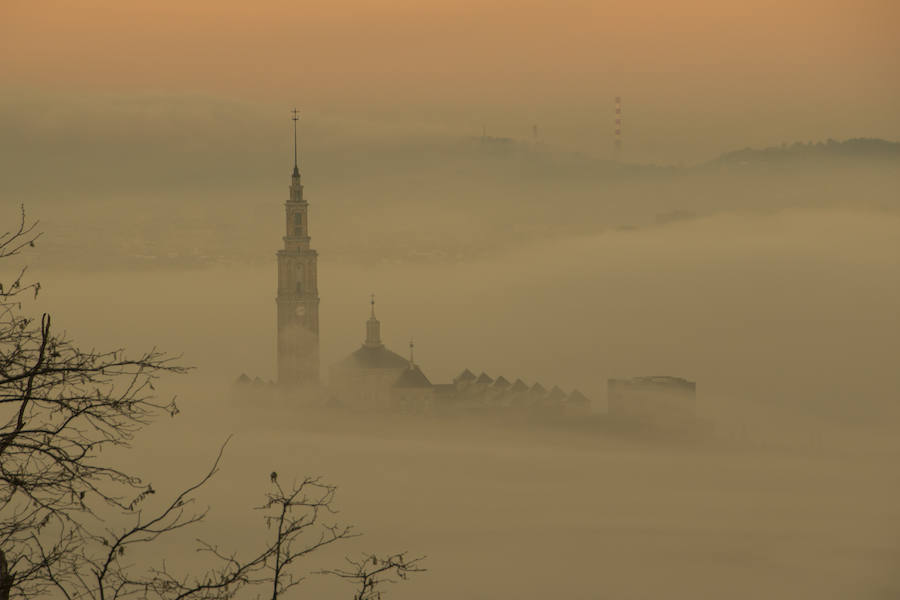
[370, 572]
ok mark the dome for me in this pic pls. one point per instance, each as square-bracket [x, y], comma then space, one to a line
[374, 357]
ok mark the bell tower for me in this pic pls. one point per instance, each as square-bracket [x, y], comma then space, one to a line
[298, 295]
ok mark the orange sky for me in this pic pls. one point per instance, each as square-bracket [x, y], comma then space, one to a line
[737, 72]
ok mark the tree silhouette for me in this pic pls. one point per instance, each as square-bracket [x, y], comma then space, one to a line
[369, 573]
[61, 407]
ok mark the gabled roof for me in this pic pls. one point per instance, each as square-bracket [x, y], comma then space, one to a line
[501, 382]
[377, 357]
[557, 394]
[577, 397]
[484, 378]
[519, 386]
[466, 375]
[537, 388]
[413, 377]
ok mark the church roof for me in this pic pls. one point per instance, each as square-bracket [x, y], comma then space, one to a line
[501, 382]
[519, 386]
[557, 394]
[377, 357]
[577, 397]
[466, 375]
[484, 378]
[413, 377]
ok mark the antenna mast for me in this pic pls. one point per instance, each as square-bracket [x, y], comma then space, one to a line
[617, 144]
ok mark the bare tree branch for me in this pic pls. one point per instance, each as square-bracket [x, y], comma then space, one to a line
[370, 572]
[69, 519]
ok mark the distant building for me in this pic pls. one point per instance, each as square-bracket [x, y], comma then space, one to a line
[375, 378]
[659, 399]
[412, 392]
[576, 405]
[298, 297]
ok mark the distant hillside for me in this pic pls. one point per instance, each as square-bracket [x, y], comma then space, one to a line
[856, 148]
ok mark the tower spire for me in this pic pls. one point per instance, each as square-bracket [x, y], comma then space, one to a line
[298, 297]
[373, 328]
[295, 117]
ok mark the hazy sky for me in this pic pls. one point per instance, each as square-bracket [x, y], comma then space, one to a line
[697, 77]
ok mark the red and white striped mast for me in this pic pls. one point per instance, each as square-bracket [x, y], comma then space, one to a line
[617, 144]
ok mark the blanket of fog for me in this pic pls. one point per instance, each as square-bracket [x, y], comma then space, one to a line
[771, 280]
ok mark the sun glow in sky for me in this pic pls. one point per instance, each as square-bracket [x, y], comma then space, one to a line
[730, 73]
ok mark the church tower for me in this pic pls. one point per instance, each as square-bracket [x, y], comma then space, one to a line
[298, 295]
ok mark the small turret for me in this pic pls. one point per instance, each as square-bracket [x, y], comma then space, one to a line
[373, 329]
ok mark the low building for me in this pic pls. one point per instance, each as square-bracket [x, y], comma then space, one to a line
[412, 392]
[657, 399]
[373, 378]
[576, 405]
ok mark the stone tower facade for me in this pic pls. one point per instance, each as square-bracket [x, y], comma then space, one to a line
[298, 294]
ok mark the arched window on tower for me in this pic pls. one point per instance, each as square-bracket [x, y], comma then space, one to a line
[298, 223]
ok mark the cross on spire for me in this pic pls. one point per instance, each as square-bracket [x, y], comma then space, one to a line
[411, 346]
[295, 117]
[373, 305]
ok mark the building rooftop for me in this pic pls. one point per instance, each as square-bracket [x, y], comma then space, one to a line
[466, 375]
[413, 377]
[666, 380]
[577, 397]
[484, 378]
[519, 386]
[375, 357]
[557, 394]
[501, 382]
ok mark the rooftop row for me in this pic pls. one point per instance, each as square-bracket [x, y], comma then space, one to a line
[502, 384]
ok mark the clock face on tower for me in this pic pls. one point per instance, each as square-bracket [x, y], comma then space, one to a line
[300, 310]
